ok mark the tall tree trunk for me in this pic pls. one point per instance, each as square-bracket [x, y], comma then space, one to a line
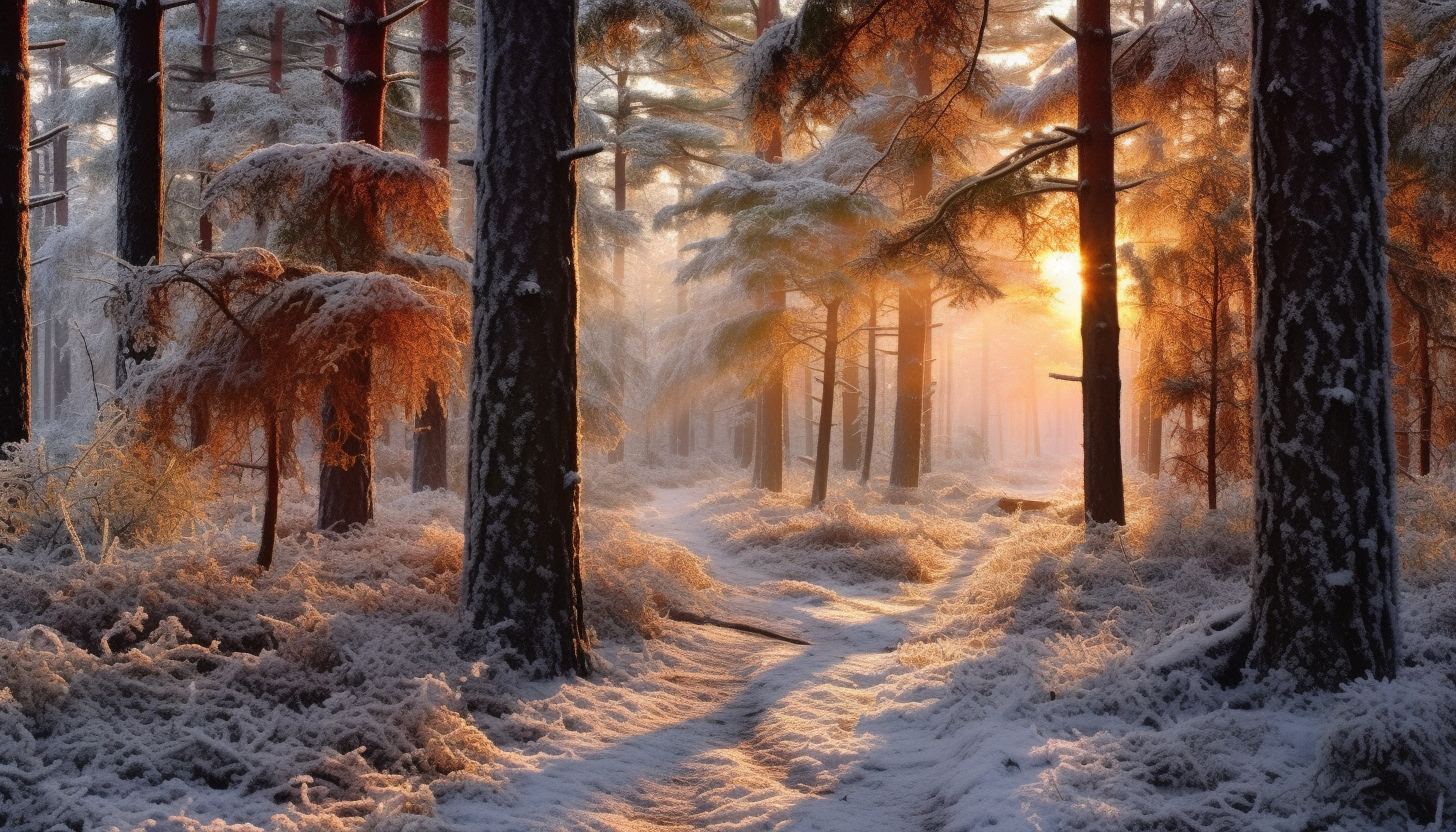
[826, 404]
[983, 406]
[1155, 445]
[1427, 392]
[744, 432]
[808, 420]
[14, 225]
[346, 484]
[853, 443]
[682, 413]
[872, 389]
[275, 52]
[1324, 605]
[431, 468]
[769, 443]
[927, 385]
[207, 63]
[346, 492]
[619, 250]
[911, 374]
[1097, 227]
[362, 113]
[1211, 452]
[268, 534]
[139, 190]
[909, 394]
[522, 570]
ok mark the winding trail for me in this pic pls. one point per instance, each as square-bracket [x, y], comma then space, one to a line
[713, 729]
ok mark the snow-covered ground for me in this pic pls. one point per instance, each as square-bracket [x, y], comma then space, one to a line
[966, 670]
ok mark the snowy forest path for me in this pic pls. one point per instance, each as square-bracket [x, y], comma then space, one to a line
[785, 748]
[707, 728]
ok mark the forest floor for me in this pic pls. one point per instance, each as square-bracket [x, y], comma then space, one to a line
[741, 731]
[967, 669]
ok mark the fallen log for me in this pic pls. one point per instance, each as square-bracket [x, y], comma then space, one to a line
[1011, 505]
[708, 621]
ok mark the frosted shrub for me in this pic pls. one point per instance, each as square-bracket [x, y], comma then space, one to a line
[1389, 748]
[110, 490]
[1426, 523]
[632, 580]
[844, 541]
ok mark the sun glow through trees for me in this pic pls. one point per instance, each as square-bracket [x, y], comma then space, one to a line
[1062, 270]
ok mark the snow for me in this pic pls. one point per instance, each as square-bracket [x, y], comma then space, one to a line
[1036, 678]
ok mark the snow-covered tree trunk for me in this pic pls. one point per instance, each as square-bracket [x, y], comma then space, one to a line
[139, 190]
[522, 569]
[1326, 570]
[431, 467]
[1097, 230]
[14, 225]
[826, 403]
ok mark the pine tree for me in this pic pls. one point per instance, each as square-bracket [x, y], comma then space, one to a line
[1326, 570]
[522, 569]
[14, 224]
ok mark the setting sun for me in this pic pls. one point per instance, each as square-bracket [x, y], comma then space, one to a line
[1063, 271]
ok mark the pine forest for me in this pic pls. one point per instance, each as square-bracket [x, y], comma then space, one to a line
[727, 415]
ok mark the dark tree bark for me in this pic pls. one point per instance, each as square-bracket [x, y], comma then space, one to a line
[14, 225]
[207, 63]
[268, 535]
[826, 404]
[853, 443]
[275, 52]
[522, 570]
[768, 469]
[1326, 571]
[909, 390]
[1097, 229]
[872, 388]
[139, 190]
[346, 489]
[431, 467]
[200, 417]
[1427, 392]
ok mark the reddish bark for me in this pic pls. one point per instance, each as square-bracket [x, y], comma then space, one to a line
[362, 112]
[1097, 227]
[431, 457]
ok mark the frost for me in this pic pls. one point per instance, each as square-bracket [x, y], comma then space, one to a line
[1340, 394]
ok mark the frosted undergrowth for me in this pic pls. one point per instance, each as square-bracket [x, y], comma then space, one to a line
[1077, 676]
[840, 540]
[173, 686]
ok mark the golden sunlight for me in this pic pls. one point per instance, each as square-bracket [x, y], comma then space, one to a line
[1062, 270]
